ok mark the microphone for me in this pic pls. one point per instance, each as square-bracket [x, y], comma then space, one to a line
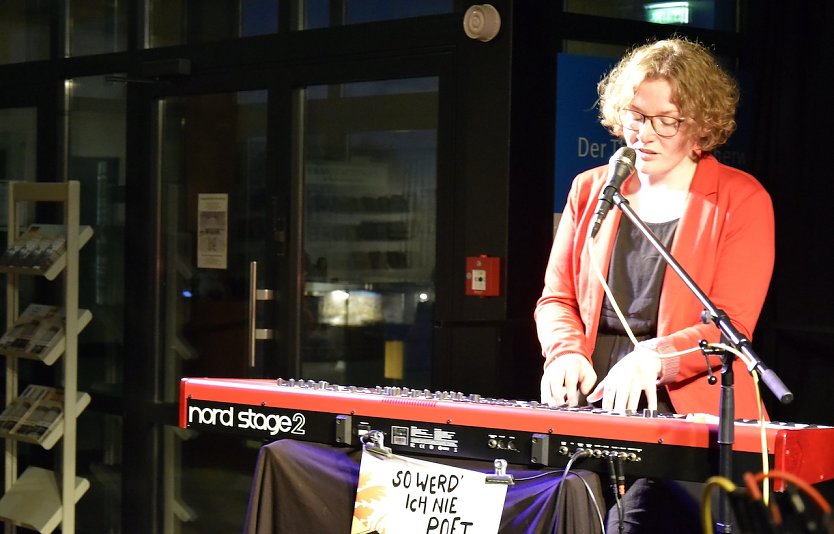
[620, 167]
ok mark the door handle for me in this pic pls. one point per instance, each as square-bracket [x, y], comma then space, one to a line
[255, 295]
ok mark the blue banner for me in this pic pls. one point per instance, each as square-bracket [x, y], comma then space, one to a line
[581, 142]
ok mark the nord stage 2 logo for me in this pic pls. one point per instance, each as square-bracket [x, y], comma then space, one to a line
[260, 421]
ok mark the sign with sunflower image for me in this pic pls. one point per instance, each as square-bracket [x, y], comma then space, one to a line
[401, 495]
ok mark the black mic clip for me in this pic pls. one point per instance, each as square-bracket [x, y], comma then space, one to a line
[707, 350]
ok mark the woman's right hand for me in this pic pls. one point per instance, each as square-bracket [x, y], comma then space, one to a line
[565, 377]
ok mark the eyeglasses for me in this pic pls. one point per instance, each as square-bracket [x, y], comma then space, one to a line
[663, 125]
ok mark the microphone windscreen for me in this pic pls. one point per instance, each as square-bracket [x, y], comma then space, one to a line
[625, 156]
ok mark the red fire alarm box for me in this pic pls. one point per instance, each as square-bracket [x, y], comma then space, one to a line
[483, 274]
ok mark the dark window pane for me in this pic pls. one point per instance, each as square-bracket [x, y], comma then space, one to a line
[24, 30]
[175, 22]
[369, 231]
[97, 27]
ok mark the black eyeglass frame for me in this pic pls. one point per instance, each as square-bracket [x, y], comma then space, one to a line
[651, 118]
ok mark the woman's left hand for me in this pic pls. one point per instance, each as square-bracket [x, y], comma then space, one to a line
[637, 372]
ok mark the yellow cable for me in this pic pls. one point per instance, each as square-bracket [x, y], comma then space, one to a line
[763, 436]
[706, 500]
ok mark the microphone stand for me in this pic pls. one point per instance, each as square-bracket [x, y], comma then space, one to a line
[733, 337]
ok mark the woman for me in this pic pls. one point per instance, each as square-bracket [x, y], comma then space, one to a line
[673, 104]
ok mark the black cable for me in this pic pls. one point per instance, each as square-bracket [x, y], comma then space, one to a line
[580, 453]
[615, 488]
[561, 473]
[620, 491]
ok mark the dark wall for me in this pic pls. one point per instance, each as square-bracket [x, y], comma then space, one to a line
[789, 51]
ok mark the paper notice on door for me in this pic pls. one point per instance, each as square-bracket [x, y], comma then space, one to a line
[212, 231]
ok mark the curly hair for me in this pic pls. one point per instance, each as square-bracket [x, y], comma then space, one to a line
[703, 91]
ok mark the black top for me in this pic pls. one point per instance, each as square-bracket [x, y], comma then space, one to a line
[635, 276]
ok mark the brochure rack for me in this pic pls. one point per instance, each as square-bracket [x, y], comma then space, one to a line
[41, 499]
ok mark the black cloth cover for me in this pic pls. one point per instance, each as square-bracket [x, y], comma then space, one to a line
[301, 487]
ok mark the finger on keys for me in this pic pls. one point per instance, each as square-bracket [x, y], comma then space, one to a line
[546, 393]
[651, 398]
[552, 387]
[588, 381]
[597, 393]
[634, 396]
[572, 384]
[618, 398]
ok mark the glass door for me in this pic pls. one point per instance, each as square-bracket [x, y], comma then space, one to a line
[214, 206]
[212, 153]
[368, 166]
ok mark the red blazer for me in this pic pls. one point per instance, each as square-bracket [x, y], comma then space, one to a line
[724, 241]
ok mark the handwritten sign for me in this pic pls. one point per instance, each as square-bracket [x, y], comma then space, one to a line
[399, 495]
